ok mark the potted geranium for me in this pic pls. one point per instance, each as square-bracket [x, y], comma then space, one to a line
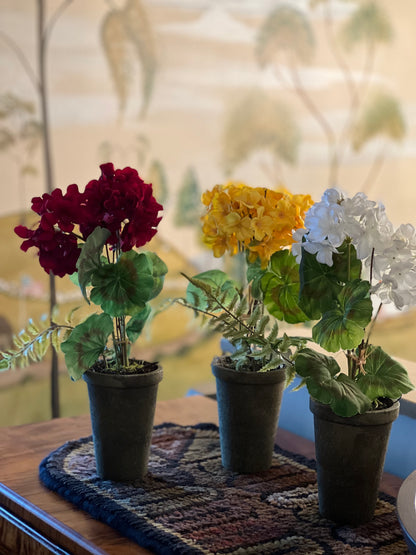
[92, 236]
[352, 261]
[255, 224]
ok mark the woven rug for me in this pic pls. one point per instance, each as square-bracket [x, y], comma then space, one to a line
[189, 504]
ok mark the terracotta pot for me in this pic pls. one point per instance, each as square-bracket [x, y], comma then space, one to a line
[248, 410]
[122, 409]
[350, 453]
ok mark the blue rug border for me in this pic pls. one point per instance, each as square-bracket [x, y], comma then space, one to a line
[135, 527]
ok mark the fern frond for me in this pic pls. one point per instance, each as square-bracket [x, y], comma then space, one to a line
[290, 374]
[272, 337]
[255, 317]
[262, 324]
[241, 308]
[32, 327]
[70, 315]
[31, 345]
[274, 363]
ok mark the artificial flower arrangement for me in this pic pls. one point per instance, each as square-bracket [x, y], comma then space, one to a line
[92, 236]
[256, 223]
[352, 261]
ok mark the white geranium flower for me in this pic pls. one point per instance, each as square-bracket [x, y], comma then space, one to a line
[323, 250]
[358, 205]
[399, 255]
[377, 232]
[391, 290]
[405, 236]
[324, 223]
[332, 196]
[388, 255]
[298, 235]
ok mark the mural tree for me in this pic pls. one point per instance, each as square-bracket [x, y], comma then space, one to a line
[44, 27]
[259, 123]
[287, 43]
[129, 48]
[128, 43]
[188, 206]
[156, 175]
[20, 137]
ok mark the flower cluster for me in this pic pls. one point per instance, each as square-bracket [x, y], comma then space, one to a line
[257, 220]
[119, 201]
[389, 254]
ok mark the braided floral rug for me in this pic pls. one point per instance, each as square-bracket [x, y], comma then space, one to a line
[189, 504]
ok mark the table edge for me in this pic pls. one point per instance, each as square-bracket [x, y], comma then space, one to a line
[30, 520]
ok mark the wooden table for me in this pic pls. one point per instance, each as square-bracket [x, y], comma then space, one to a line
[37, 521]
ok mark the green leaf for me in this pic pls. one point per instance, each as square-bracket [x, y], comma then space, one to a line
[325, 382]
[159, 270]
[136, 324]
[254, 277]
[86, 343]
[124, 288]
[321, 284]
[383, 377]
[32, 327]
[280, 286]
[4, 364]
[215, 282]
[347, 267]
[343, 327]
[90, 258]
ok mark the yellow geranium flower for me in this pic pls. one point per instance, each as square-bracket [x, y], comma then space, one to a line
[255, 219]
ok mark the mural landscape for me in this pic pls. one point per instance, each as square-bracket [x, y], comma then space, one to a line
[305, 94]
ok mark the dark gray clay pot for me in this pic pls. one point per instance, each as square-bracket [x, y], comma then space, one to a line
[350, 453]
[122, 409]
[248, 410]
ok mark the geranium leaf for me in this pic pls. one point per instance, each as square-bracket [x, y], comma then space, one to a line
[320, 284]
[159, 270]
[343, 327]
[346, 266]
[90, 258]
[325, 382]
[136, 324]
[86, 343]
[255, 274]
[217, 281]
[280, 286]
[383, 377]
[123, 288]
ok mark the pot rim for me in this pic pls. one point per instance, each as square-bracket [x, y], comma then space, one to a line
[124, 381]
[369, 418]
[227, 374]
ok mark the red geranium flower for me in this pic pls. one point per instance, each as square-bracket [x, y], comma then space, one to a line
[58, 251]
[119, 201]
[123, 203]
[63, 210]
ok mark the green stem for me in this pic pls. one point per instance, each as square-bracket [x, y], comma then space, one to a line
[373, 321]
[120, 342]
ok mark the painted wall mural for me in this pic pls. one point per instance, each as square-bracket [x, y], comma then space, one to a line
[301, 93]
